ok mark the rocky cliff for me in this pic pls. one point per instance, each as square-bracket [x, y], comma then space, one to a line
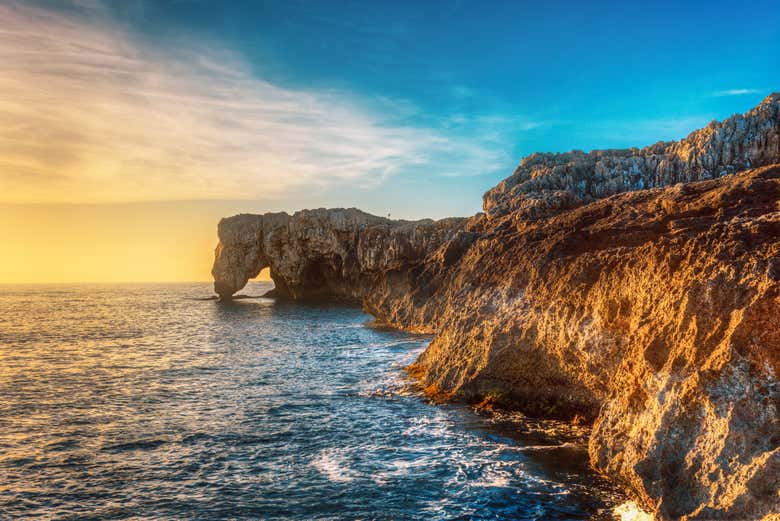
[656, 313]
[321, 253]
[651, 310]
[548, 183]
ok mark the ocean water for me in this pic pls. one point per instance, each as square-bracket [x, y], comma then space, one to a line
[147, 402]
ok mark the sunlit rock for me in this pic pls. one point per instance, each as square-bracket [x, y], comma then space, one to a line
[547, 183]
[636, 289]
[336, 253]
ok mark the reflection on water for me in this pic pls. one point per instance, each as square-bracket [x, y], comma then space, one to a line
[137, 401]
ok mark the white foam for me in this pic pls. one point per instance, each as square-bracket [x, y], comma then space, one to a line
[398, 469]
[493, 477]
[332, 463]
[437, 425]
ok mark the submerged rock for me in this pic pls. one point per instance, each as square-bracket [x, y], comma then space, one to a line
[654, 313]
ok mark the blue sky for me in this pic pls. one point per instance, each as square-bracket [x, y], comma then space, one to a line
[588, 75]
[551, 75]
[413, 108]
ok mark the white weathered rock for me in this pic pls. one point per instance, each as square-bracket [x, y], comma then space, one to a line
[546, 183]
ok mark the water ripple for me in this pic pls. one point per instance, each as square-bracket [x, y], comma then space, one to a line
[144, 402]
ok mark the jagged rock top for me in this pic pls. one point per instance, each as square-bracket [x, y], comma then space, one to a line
[547, 183]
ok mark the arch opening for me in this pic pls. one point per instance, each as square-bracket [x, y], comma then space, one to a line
[263, 284]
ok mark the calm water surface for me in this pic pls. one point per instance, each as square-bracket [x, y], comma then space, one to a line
[141, 402]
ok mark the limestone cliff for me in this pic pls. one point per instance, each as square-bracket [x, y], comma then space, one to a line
[547, 183]
[652, 310]
[321, 253]
[656, 312]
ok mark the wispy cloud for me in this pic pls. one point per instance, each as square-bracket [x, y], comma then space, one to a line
[734, 92]
[91, 112]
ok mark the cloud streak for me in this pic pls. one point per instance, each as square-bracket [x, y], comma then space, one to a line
[734, 92]
[90, 112]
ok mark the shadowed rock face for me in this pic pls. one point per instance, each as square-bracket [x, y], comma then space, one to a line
[655, 313]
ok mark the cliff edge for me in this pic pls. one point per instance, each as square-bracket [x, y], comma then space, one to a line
[637, 289]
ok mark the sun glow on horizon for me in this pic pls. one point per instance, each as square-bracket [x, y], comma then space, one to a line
[108, 113]
[94, 115]
[161, 242]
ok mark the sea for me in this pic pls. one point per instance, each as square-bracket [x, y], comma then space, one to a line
[155, 401]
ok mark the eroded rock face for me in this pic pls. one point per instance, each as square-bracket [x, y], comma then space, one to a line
[653, 312]
[321, 253]
[545, 184]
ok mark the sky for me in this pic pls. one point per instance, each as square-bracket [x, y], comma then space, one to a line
[128, 128]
